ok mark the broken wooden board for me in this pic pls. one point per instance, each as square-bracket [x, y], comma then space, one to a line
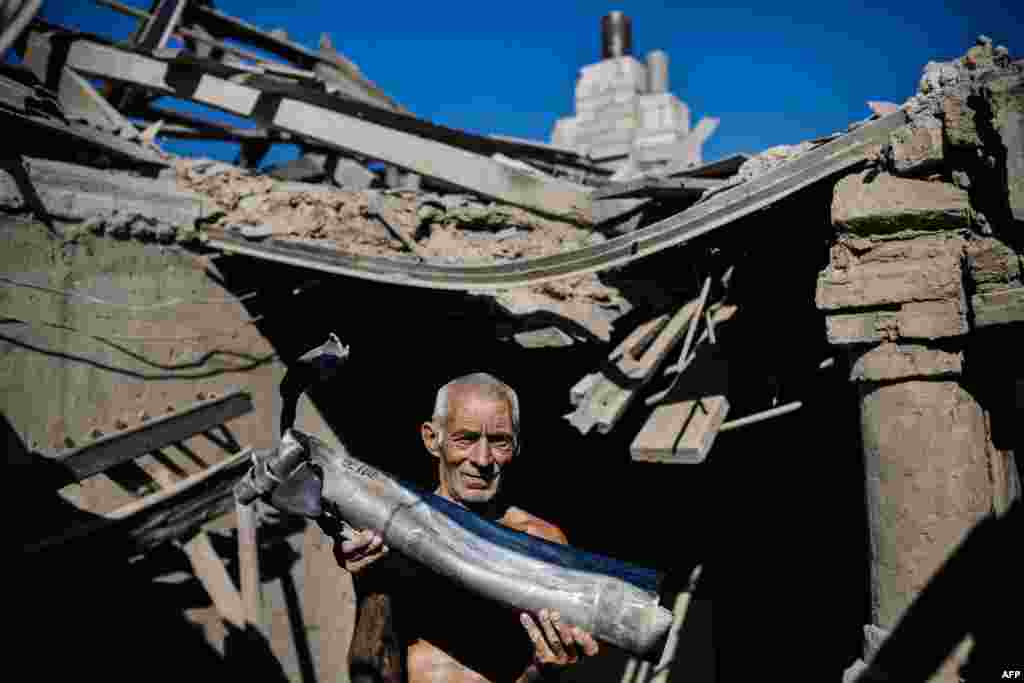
[34, 132]
[206, 563]
[220, 23]
[162, 516]
[334, 123]
[657, 188]
[716, 315]
[721, 168]
[76, 95]
[614, 391]
[683, 427]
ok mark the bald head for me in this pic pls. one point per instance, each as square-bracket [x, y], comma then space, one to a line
[480, 384]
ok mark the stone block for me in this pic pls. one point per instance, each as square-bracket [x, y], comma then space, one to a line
[883, 204]
[991, 264]
[890, 361]
[915, 151]
[646, 138]
[958, 125]
[998, 307]
[1006, 97]
[564, 133]
[916, 320]
[663, 111]
[351, 175]
[610, 137]
[924, 269]
[625, 73]
[609, 150]
[605, 125]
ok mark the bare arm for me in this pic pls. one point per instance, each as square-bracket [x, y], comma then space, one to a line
[377, 650]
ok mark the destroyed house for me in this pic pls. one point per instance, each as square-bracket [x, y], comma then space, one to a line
[790, 381]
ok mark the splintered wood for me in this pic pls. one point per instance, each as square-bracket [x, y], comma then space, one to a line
[683, 427]
[602, 398]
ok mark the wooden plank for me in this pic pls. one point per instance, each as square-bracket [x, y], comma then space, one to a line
[658, 188]
[638, 341]
[162, 516]
[153, 435]
[721, 168]
[719, 314]
[210, 571]
[249, 564]
[206, 563]
[32, 134]
[618, 385]
[77, 96]
[333, 123]
[220, 23]
[683, 428]
[761, 416]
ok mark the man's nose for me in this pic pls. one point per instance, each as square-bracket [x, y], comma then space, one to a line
[482, 455]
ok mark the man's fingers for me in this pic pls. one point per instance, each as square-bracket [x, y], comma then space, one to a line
[566, 638]
[586, 641]
[542, 651]
[554, 640]
[360, 540]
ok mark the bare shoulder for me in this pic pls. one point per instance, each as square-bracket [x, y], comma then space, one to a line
[521, 520]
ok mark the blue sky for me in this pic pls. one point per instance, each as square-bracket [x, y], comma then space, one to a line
[773, 72]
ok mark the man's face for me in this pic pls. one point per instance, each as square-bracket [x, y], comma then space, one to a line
[478, 444]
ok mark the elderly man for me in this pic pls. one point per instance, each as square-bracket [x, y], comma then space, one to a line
[441, 632]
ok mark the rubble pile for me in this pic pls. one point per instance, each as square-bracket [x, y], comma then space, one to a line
[932, 231]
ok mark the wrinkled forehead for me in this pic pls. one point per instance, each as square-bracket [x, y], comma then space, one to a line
[478, 401]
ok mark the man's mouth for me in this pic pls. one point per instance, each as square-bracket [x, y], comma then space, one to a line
[475, 481]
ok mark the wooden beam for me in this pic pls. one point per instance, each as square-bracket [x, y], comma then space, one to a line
[721, 168]
[335, 124]
[153, 435]
[218, 22]
[718, 314]
[206, 563]
[31, 134]
[761, 416]
[619, 384]
[210, 571]
[249, 564]
[658, 188]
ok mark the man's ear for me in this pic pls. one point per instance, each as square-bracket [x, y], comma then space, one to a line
[431, 438]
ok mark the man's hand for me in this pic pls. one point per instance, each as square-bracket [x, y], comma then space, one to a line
[359, 551]
[556, 644]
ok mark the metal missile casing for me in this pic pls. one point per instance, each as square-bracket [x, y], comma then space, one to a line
[613, 610]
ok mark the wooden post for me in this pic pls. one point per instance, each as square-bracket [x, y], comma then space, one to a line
[249, 564]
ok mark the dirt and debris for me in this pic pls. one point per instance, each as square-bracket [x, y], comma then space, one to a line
[446, 229]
